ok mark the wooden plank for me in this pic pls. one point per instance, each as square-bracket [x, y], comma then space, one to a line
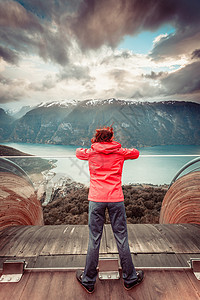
[9, 291]
[39, 285]
[182, 238]
[35, 241]
[23, 240]
[29, 260]
[195, 225]
[6, 231]
[167, 285]
[6, 235]
[55, 235]
[16, 241]
[66, 240]
[157, 285]
[194, 282]
[72, 240]
[160, 260]
[143, 238]
[27, 240]
[60, 261]
[184, 258]
[69, 239]
[58, 285]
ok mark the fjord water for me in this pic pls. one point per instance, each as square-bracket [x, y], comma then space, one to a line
[150, 170]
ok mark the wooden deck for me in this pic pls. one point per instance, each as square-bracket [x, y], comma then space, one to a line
[49, 249]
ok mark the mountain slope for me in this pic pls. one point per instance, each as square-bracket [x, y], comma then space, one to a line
[5, 125]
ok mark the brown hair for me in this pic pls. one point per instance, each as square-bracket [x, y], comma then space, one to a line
[105, 134]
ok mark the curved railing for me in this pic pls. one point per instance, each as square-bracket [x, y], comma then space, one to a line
[181, 203]
[18, 200]
[186, 166]
[7, 165]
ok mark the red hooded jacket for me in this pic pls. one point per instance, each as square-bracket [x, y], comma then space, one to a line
[106, 161]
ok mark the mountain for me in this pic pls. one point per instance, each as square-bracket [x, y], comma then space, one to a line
[40, 124]
[5, 125]
[20, 113]
[139, 124]
[135, 123]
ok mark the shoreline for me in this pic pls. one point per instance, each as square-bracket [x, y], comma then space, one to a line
[148, 185]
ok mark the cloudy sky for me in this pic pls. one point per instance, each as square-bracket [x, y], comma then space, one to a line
[52, 50]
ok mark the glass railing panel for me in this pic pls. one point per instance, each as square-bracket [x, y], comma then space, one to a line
[63, 182]
[56, 171]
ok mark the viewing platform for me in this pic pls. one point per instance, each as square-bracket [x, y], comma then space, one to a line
[39, 262]
[54, 253]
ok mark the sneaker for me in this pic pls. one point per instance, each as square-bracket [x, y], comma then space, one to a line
[140, 275]
[79, 275]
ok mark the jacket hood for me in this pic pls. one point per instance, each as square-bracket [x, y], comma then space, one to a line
[106, 147]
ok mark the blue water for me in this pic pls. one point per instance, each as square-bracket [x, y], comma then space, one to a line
[149, 170]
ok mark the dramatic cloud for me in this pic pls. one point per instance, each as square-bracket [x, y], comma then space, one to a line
[196, 54]
[13, 15]
[48, 27]
[11, 90]
[155, 75]
[183, 81]
[27, 33]
[4, 80]
[75, 72]
[46, 84]
[181, 43]
[69, 49]
[9, 55]
[107, 22]
[186, 38]
[119, 75]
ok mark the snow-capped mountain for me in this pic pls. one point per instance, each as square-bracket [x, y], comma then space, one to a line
[135, 123]
[62, 103]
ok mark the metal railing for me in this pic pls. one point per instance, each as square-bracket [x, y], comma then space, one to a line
[186, 166]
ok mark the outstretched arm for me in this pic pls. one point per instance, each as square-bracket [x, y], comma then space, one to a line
[131, 153]
[82, 153]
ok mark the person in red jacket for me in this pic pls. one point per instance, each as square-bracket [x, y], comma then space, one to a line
[106, 158]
